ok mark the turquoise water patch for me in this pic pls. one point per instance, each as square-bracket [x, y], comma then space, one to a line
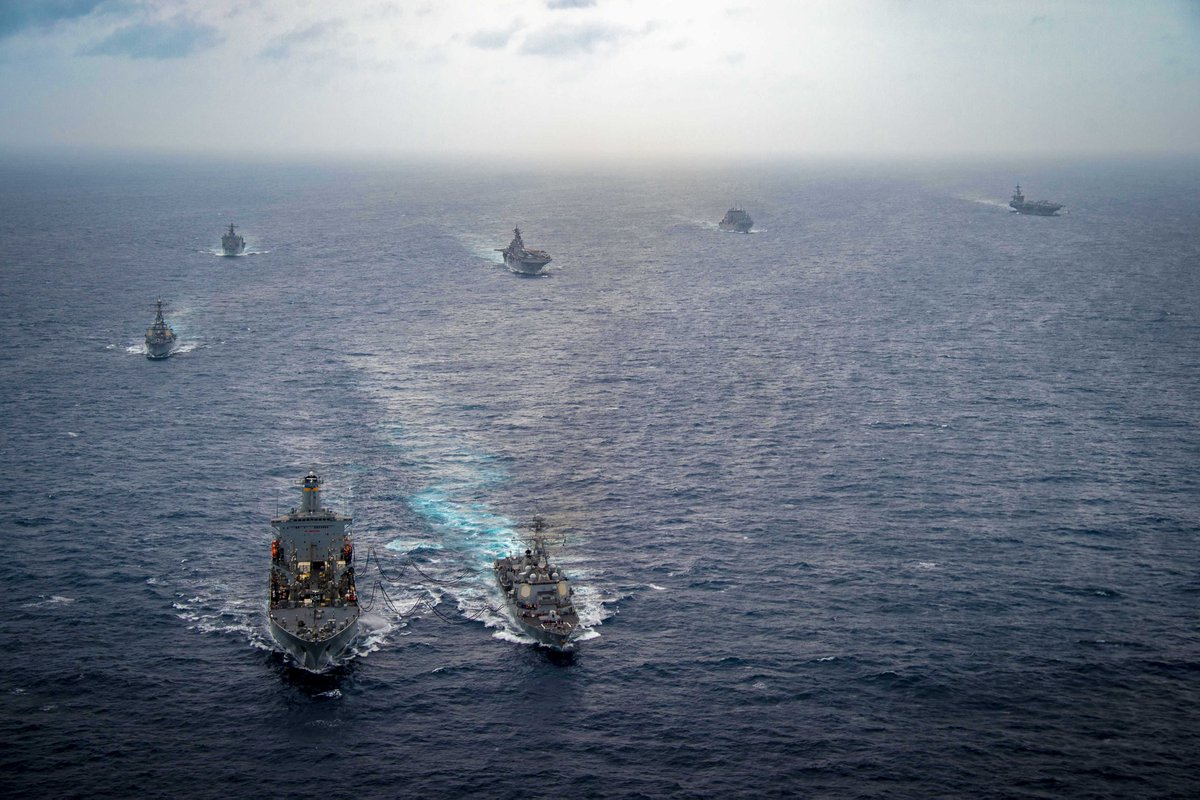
[411, 546]
[466, 524]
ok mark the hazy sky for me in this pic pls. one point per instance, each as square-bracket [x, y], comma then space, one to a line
[602, 78]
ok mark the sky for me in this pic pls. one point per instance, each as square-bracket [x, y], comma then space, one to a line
[601, 79]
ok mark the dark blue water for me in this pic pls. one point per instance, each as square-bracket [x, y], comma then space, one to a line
[895, 497]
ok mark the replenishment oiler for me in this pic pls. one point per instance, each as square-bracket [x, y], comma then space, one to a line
[521, 260]
[160, 339]
[233, 244]
[313, 609]
[538, 593]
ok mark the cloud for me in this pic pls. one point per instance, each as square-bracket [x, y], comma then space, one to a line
[556, 5]
[159, 40]
[570, 40]
[495, 39]
[281, 47]
[19, 15]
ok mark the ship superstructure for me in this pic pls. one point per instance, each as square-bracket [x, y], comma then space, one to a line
[522, 260]
[1041, 208]
[313, 607]
[233, 244]
[736, 219]
[538, 593]
[160, 338]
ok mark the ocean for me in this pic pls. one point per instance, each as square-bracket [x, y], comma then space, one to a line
[894, 497]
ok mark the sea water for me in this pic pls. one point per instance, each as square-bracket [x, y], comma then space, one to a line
[894, 497]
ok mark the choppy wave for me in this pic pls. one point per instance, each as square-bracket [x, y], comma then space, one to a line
[217, 251]
[804, 582]
[183, 347]
[52, 600]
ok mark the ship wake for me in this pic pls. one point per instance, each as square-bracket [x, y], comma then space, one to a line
[454, 484]
[984, 201]
[140, 349]
[216, 251]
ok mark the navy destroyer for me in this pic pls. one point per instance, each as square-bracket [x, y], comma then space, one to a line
[736, 219]
[1041, 208]
[313, 608]
[233, 244]
[538, 593]
[160, 339]
[521, 260]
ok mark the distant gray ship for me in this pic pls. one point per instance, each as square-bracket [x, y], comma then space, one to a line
[736, 219]
[233, 243]
[521, 260]
[313, 608]
[1041, 208]
[160, 338]
[538, 593]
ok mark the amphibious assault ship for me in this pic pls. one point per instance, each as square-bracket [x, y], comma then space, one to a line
[523, 261]
[1041, 208]
[233, 243]
[736, 219]
[538, 593]
[313, 608]
[160, 339]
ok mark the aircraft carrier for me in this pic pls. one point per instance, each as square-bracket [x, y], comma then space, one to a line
[1041, 208]
[521, 260]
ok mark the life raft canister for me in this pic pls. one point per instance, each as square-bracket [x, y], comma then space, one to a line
[274, 549]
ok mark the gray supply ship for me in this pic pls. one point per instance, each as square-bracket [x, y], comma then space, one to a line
[736, 219]
[313, 607]
[160, 339]
[1041, 208]
[521, 260]
[538, 593]
[234, 244]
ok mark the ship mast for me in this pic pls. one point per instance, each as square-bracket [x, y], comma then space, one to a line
[538, 526]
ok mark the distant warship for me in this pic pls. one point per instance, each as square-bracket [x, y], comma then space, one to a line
[160, 339]
[736, 219]
[538, 593]
[522, 261]
[313, 609]
[1041, 208]
[234, 244]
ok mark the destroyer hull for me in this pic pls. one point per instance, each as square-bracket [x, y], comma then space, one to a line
[314, 654]
[554, 636]
[156, 352]
[740, 227]
[560, 642]
[554, 641]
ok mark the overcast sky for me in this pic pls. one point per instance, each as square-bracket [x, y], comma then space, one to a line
[602, 78]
